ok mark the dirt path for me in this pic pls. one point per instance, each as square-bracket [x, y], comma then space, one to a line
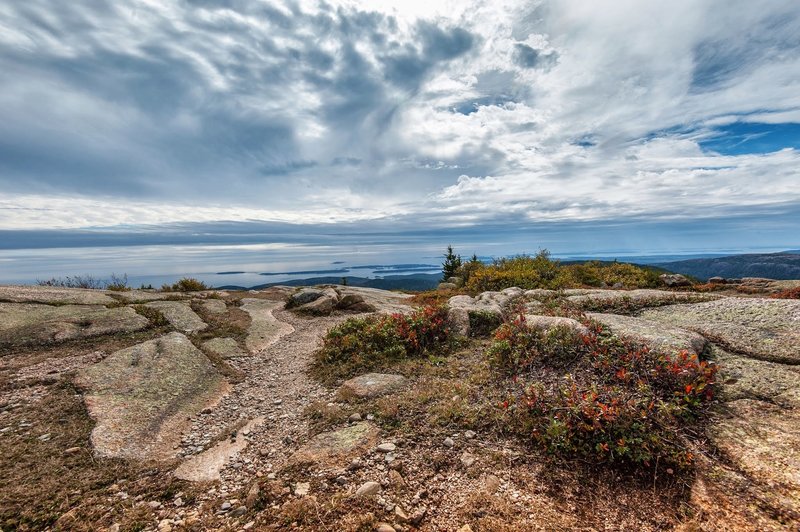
[271, 399]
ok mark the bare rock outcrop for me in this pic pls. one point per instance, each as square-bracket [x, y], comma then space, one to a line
[33, 323]
[659, 337]
[767, 329]
[141, 396]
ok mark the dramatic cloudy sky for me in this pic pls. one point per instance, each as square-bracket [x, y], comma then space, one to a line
[403, 114]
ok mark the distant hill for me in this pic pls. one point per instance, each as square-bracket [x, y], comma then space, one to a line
[414, 282]
[784, 265]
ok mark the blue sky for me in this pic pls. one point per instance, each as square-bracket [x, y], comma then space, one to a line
[675, 124]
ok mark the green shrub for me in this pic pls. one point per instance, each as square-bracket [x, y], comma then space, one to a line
[595, 273]
[187, 284]
[540, 271]
[517, 347]
[596, 397]
[361, 344]
[522, 271]
[483, 323]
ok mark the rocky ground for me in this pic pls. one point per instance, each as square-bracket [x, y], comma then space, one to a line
[145, 410]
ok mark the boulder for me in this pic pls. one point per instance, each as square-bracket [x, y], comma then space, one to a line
[323, 304]
[26, 324]
[337, 447]
[458, 321]
[304, 296]
[372, 385]
[376, 300]
[180, 315]
[658, 336]
[447, 286]
[766, 329]
[141, 396]
[265, 329]
[673, 280]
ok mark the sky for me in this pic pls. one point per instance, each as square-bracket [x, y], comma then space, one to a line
[580, 124]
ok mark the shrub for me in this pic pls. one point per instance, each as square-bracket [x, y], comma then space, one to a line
[483, 323]
[115, 282]
[791, 293]
[517, 347]
[522, 271]
[596, 273]
[367, 343]
[540, 271]
[600, 398]
[118, 283]
[187, 284]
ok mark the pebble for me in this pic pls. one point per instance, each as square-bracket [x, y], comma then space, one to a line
[385, 527]
[72, 450]
[448, 442]
[418, 516]
[302, 488]
[354, 417]
[368, 489]
[386, 447]
[470, 434]
[225, 506]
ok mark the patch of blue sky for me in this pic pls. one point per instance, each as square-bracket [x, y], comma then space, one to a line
[741, 138]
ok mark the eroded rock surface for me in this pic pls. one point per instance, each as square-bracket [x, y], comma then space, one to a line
[214, 306]
[141, 396]
[180, 315]
[768, 329]
[224, 347]
[336, 447]
[643, 297]
[206, 466]
[547, 323]
[742, 377]
[658, 336]
[264, 328]
[762, 442]
[54, 295]
[25, 324]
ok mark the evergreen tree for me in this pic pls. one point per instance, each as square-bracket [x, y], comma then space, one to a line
[451, 264]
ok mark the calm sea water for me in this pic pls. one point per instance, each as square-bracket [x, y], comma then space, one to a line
[242, 265]
[213, 263]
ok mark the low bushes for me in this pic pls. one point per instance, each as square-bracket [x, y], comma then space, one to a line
[600, 398]
[363, 344]
[540, 271]
[791, 293]
[187, 284]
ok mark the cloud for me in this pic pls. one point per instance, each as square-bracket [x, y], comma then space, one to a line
[446, 115]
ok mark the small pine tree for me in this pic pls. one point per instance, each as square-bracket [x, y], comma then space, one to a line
[451, 264]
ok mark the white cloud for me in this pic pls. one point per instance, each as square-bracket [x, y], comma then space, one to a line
[563, 110]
